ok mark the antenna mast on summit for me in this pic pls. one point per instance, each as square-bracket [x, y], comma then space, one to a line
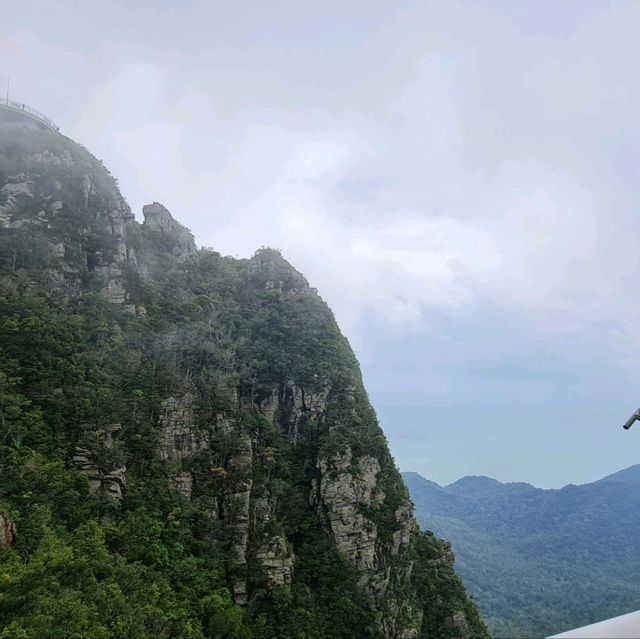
[8, 82]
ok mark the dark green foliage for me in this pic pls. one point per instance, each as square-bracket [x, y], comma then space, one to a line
[229, 334]
[324, 602]
[442, 591]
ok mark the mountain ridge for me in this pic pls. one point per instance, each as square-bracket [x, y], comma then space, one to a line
[538, 561]
[631, 473]
[187, 445]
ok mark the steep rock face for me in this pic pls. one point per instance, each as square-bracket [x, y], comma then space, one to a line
[69, 207]
[340, 493]
[290, 406]
[445, 559]
[236, 510]
[16, 192]
[112, 482]
[157, 218]
[276, 557]
[456, 626]
[273, 551]
[179, 441]
[345, 490]
[253, 458]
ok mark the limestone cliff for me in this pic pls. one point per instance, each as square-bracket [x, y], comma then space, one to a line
[214, 399]
[157, 218]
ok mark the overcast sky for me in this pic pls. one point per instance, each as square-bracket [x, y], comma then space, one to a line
[459, 179]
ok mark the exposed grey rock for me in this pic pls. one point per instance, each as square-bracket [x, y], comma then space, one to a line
[236, 511]
[339, 494]
[87, 188]
[158, 218]
[400, 621]
[406, 525]
[456, 627]
[110, 434]
[290, 406]
[57, 249]
[447, 558]
[276, 557]
[274, 552]
[268, 271]
[409, 628]
[179, 438]
[113, 288]
[15, 193]
[344, 486]
[115, 482]
[112, 482]
[20, 195]
[51, 157]
[81, 460]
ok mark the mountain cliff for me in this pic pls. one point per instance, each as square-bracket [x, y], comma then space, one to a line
[540, 561]
[187, 449]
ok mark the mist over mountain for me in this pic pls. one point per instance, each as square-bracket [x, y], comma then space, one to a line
[186, 445]
[540, 561]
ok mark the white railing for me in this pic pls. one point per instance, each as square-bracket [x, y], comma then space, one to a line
[23, 108]
[622, 627]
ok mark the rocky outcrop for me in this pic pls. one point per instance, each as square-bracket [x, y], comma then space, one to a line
[55, 158]
[15, 193]
[157, 218]
[7, 532]
[446, 559]
[456, 627]
[110, 223]
[401, 537]
[290, 406]
[274, 552]
[269, 271]
[343, 488]
[179, 440]
[237, 505]
[112, 482]
[81, 460]
[59, 186]
[276, 557]
[401, 622]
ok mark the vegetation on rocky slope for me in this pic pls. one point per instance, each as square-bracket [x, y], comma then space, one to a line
[186, 446]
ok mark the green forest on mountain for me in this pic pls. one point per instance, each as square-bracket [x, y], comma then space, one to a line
[153, 564]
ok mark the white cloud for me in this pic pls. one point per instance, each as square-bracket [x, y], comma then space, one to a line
[460, 165]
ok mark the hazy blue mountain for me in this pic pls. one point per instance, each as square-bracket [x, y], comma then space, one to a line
[540, 561]
[628, 474]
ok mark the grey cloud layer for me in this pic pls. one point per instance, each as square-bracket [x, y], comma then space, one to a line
[413, 159]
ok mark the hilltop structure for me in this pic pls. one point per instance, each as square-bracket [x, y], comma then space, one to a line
[17, 113]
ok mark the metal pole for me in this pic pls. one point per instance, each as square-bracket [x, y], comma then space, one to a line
[8, 82]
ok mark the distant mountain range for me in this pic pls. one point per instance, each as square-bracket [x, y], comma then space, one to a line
[540, 561]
